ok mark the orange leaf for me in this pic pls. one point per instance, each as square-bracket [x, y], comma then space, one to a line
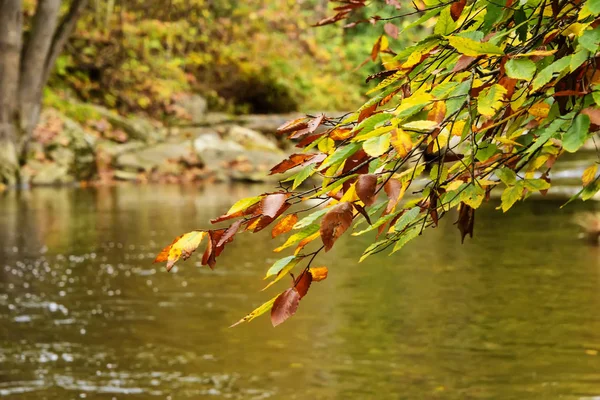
[294, 125]
[340, 133]
[284, 225]
[306, 241]
[318, 273]
[437, 112]
[285, 306]
[302, 283]
[456, 9]
[335, 223]
[293, 161]
[182, 246]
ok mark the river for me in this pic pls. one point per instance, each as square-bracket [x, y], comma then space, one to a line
[511, 314]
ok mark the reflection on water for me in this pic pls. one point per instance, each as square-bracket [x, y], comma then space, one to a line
[512, 314]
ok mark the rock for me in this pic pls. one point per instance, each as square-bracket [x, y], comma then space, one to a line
[52, 173]
[126, 176]
[194, 105]
[149, 158]
[267, 123]
[250, 139]
[209, 143]
[135, 127]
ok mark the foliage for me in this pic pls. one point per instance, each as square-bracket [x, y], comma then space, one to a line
[489, 100]
[245, 56]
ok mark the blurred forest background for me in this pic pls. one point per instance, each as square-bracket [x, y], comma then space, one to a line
[180, 90]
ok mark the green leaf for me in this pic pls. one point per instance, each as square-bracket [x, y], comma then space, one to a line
[244, 204]
[283, 271]
[510, 196]
[577, 133]
[377, 145]
[334, 185]
[536, 184]
[578, 58]
[425, 17]
[279, 265]
[406, 218]
[302, 175]
[372, 248]
[310, 219]
[445, 24]
[489, 100]
[506, 176]
[520, 68]
[381, 221]
[472, 48]
[341, 154]
[372, 122]
[590, 40]
[472, 195]
[303, 234]
[493, 14]
[548, 132]
[547, 73]
[406, 237]
[485, 151]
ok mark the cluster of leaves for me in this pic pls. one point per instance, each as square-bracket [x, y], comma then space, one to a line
[136, 56]
[490, 99]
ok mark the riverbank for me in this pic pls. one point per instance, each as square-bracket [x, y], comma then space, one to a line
[91, 145]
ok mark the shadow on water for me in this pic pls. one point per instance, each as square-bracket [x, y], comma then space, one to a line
[512, 314]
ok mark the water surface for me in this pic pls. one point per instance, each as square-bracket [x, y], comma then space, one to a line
[512, 314]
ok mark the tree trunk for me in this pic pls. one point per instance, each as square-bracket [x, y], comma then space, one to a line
[10, 53]
[24, 71]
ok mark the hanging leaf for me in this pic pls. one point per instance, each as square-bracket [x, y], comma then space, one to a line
[490, 99]
[335, 223]
[365, 188]
[284, 225]
[318, 273]
[182, 246]
[257, 312]
[466, 221]
[470, 47]
[285, 306]
[293, 161]
[302, 283]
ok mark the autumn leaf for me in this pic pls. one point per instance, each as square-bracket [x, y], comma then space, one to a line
[294, 125]
[263, 308]
[335, 222]
[365, 188]
[302, 283]
[318, 273]
[284, 225]
[293, 161]
[466, 221]
[182, 246]
[589, 175]
[285, 306]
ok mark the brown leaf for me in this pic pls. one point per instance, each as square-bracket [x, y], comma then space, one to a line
[318, 273]
[437, 112]
[463, 62]
[366, 112]
[335, 222]
[381, 74]
[249, 211]
[391, 30]
[302, 283]
[466, 221]
[376, 49]
[229, 233]
[456, 9]
[272, 203]
[333, 19]
[293, 161]
[393, 188]
[593, 113]
[366, 187]
[212, 249]
[265, 220]
[294, 125]
[363, 212]
[285, 306]
[284, 225]
[312, 126]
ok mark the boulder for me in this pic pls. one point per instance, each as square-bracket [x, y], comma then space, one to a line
[136, 128]
[50, 174]
[149, 158]
[250, 139]
[193, 105]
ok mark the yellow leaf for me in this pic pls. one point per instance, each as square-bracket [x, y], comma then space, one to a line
[413, 59]
[508, 141]
[258, 311]
[453, 185]
[182, 246]
[326, 145]
[401, 142]
[306, 241]
[489, 100]
[539, 110]
[589, 174]
[457, 128]
[441, 140]
[543, 53]
[350, 194]
[421, 126]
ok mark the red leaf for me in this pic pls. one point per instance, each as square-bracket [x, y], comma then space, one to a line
[285, 306]
[335, 223]
[366, 187]
[463, 62]
[391, 30]
[302, 283]
[367, 112]
[272, 203]
[456, 9]
[266, 220]
[376, 49]
[213, 250]
[312, 126]
[333, 19]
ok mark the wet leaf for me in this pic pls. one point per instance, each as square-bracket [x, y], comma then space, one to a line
[335, 222]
